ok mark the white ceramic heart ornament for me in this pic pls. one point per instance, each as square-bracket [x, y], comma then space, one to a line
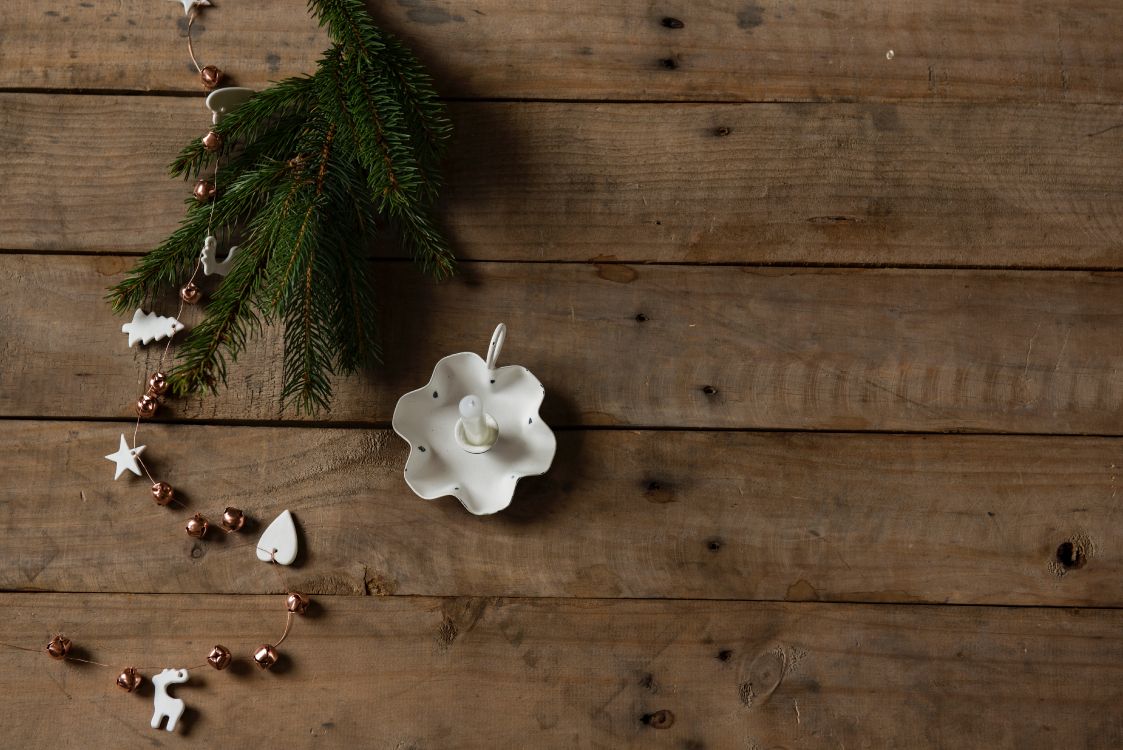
[278, 541]
[189, 4]
[222, 101]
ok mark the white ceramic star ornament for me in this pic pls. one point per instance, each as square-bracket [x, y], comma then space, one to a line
[189, 4]
[125, 458]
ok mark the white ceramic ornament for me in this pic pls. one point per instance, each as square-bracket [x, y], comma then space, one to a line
[474, 430]
[189, 4]
[279, 539]
[165, 706]
[209, 256]
[149, 327]
[222, 102]
[125, 458]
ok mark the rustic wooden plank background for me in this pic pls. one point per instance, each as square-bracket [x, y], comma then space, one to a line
[771, 262]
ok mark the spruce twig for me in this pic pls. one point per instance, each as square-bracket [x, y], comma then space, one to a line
[311, 166]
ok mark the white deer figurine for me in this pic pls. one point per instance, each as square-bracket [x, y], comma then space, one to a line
[167, 706]
[211, 264]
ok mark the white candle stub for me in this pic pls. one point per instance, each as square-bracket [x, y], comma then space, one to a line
[278, 542]
[475, 430]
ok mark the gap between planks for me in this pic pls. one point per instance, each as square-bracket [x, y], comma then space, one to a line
[576, 599]
[328, 424]
[762, 265]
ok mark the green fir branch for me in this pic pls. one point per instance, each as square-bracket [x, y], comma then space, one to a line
[308, 170]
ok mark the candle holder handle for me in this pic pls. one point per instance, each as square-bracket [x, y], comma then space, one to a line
[496, 345]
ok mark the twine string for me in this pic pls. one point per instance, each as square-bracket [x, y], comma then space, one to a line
[190, 47]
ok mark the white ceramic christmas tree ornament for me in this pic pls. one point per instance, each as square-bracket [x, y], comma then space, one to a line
[149, 327]
[209, 256]
[278, 541]
[223, 101]
[125, 458]
[165, 706]
[474, 430]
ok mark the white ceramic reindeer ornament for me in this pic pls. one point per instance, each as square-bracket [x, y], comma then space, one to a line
[165, 705]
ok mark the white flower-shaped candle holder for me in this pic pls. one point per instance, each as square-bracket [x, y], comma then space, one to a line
[474, 430]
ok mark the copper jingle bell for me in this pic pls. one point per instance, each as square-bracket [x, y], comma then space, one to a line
[266, 656]
[197, 526]
[190, 293]
[59, 647]
[233, 519]
[203, 190]
[162, 493]
[129, 679]
[157, 384]
[146, 406]
[212, 141]
[219, 657]
[297, 603]
[210, 76]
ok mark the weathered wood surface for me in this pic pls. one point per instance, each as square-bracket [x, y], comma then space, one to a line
[766, 50]
[479, 673]
[960, 519]
[915, 350]
[989, 137]
[839, 184]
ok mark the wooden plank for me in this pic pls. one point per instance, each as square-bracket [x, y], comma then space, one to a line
[758, 51]
[838, 184]
[706, 347]
[482, 673]
[966, 520]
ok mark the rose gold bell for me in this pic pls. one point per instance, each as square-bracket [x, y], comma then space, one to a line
[219, 657]
[212, 141]
[233, 519]
[197, 526]
[157, 384]
[146, 406]
[190, 293]
[266, 656]
[210, 77]
[203, 191]
[59, 647]
[297, 603]
[129, 679]
[162, 493]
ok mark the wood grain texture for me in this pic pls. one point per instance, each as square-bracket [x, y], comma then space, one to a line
[838, 184]
[735, 579]
[766, 50]
[483, 673]
[915, 350]
[959, 519]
